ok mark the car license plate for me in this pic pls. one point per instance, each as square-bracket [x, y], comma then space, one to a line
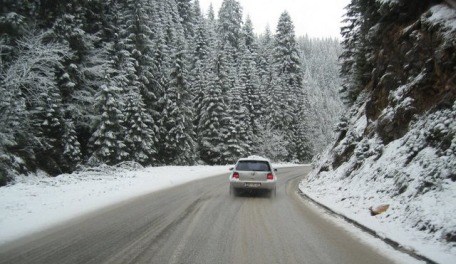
[252, 185]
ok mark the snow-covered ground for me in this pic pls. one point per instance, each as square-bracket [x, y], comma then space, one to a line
[408, 238]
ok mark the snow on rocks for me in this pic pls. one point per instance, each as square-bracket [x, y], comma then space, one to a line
[376, 210]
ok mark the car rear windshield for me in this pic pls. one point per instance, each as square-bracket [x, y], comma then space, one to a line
[252, 165]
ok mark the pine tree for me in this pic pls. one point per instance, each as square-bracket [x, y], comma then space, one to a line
[356, 64]
[139, 126]
[147, 49]
[187, 15]
[161, 60]
[178, 146]
[287, 72]
[152, 97]
[248, 37]
[200, 53]
[266, 73]
[249, 76]
[81, 25]
[290, 98]
[48, 126]
[210, 125]
[59, 149]
[229, 23]
[108, 141]
[236, 132]
[351, 34]
[71, 147]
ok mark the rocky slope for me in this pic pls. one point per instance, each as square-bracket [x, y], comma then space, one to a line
[397, 143]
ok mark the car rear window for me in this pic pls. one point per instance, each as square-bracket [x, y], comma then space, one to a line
[252, 165]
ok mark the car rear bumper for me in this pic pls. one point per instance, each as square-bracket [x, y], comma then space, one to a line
[260, 185]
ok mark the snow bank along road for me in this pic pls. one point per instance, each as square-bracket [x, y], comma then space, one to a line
[200, 223]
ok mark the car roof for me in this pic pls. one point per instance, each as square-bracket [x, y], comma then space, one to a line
[254, 157]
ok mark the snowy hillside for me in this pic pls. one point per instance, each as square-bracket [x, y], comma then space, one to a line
[413, 178]
[397, 144]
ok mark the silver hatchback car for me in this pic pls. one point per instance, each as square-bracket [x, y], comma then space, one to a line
[253, 173]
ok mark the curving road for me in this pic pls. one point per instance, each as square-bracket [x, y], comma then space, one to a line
[199, 223]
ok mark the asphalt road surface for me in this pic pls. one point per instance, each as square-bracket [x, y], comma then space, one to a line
[199, 223]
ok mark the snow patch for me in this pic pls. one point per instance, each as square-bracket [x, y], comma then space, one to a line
[444, 15]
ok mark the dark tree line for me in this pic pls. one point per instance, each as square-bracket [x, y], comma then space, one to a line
[153, 81]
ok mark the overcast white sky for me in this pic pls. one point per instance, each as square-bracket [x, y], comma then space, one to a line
[317, 18]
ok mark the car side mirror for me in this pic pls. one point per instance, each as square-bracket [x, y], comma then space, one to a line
[275, 169]
[231, 168]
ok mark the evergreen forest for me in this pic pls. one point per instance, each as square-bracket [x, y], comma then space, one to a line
[157, 82]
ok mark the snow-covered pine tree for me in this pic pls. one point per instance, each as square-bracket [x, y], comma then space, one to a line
[301, 146]
[88, 27]
[13, 25]
[236, 136]
[79, 24]
[287, 72]
[266, 73]
[210, 124]
[229, 37]
[229, 23]
[248, 39]
[248, 73]
[187, 17]
[289, 96]
[147, 55]
[139, 126]
[72, 155]
[177, 146]
[107, 143]
[49, 128]
[355, 62]
[160, 63]
[251, 95]
[211, 19]
[200, 50]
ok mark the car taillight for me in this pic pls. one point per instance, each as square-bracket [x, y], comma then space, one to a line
[235, 175]
[270, 176]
